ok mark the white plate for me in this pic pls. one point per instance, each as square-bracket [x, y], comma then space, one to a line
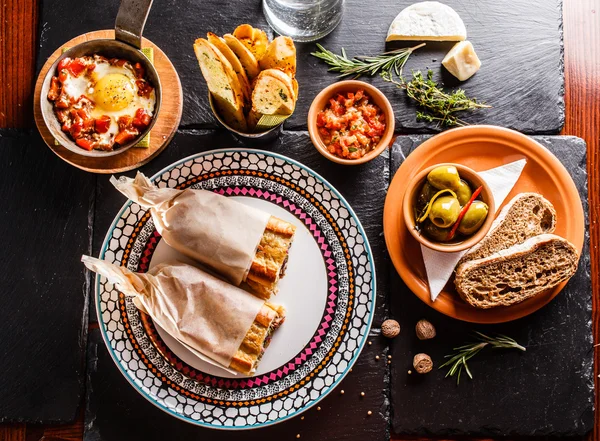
[328, 291]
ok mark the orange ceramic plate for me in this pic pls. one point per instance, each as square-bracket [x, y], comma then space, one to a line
[481, 148]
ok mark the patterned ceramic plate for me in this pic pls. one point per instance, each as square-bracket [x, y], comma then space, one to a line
[329, 292]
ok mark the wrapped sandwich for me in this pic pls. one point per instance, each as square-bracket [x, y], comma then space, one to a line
[241, 243]
[220, 323]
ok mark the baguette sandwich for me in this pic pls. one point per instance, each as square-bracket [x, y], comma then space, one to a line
[256, 341]
[270, 260]
[243, 244]
[220, 323]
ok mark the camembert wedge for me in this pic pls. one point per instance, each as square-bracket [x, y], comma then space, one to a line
[431, 21]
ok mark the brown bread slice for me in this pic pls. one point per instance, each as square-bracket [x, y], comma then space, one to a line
[517, 273]
[525, 216]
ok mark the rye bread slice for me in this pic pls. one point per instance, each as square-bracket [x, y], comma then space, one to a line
[517, 273]
[525, 216]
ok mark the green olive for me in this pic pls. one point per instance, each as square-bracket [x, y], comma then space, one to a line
[434, 232]
[463, 193]
[473, 218]
[444, 176]
[425, 195]
[444, 211]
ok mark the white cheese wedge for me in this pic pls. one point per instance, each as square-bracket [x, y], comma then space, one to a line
[431, 21]
[462, 61]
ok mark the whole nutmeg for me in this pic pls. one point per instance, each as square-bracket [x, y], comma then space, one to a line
[422, 363]
[425, 330]
[390, 328]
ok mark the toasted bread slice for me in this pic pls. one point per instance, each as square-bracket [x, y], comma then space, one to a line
[284, 78]
[255, 39]
[246, 57]
[273, 93]
[280, 54]
[525, 216]
[222, 83]
[517, 273]
[239, 70]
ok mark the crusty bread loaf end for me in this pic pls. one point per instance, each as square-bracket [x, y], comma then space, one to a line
[517, 273]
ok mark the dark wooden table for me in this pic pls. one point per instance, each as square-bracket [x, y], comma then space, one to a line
[18, 44]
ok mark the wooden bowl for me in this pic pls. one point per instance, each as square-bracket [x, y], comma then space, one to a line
[475, 181]
[321, 101]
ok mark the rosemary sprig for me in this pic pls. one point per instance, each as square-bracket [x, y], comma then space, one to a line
[458, 360]
[386, 63]
[438, 105]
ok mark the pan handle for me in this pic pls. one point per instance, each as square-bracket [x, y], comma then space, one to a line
[130, 22]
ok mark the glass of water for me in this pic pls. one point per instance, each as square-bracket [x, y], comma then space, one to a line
[303, 20]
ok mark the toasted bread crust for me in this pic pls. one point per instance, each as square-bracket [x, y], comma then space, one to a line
[255, 39]
[269, 262]
[273, 93]
[518, 273]
[280, 54]
[246, 57]
[247, 357]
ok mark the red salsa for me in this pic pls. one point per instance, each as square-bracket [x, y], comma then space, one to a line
[351, 125]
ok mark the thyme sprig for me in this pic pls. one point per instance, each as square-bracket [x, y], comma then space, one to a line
[438, 105]
[458, 360]
[386, 63]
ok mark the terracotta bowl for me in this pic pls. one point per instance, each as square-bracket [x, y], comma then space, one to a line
[475, 181]
[321, 101]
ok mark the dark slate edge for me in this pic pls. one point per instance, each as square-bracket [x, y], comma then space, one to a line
[587, 417]
[90, 432]
[15, 133]
[82, 340]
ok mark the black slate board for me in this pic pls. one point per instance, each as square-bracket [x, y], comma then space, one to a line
[44, 227]
[547, 391]
[114, 408]
[519, 43]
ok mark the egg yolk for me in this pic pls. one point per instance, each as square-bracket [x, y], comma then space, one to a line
[114, 92]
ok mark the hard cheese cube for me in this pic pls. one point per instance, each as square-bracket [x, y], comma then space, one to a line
[462, 61]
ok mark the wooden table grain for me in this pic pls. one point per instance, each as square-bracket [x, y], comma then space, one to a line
[18, 34]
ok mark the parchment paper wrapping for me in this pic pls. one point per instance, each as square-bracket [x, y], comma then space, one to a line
[212, 229]
[205, 313]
